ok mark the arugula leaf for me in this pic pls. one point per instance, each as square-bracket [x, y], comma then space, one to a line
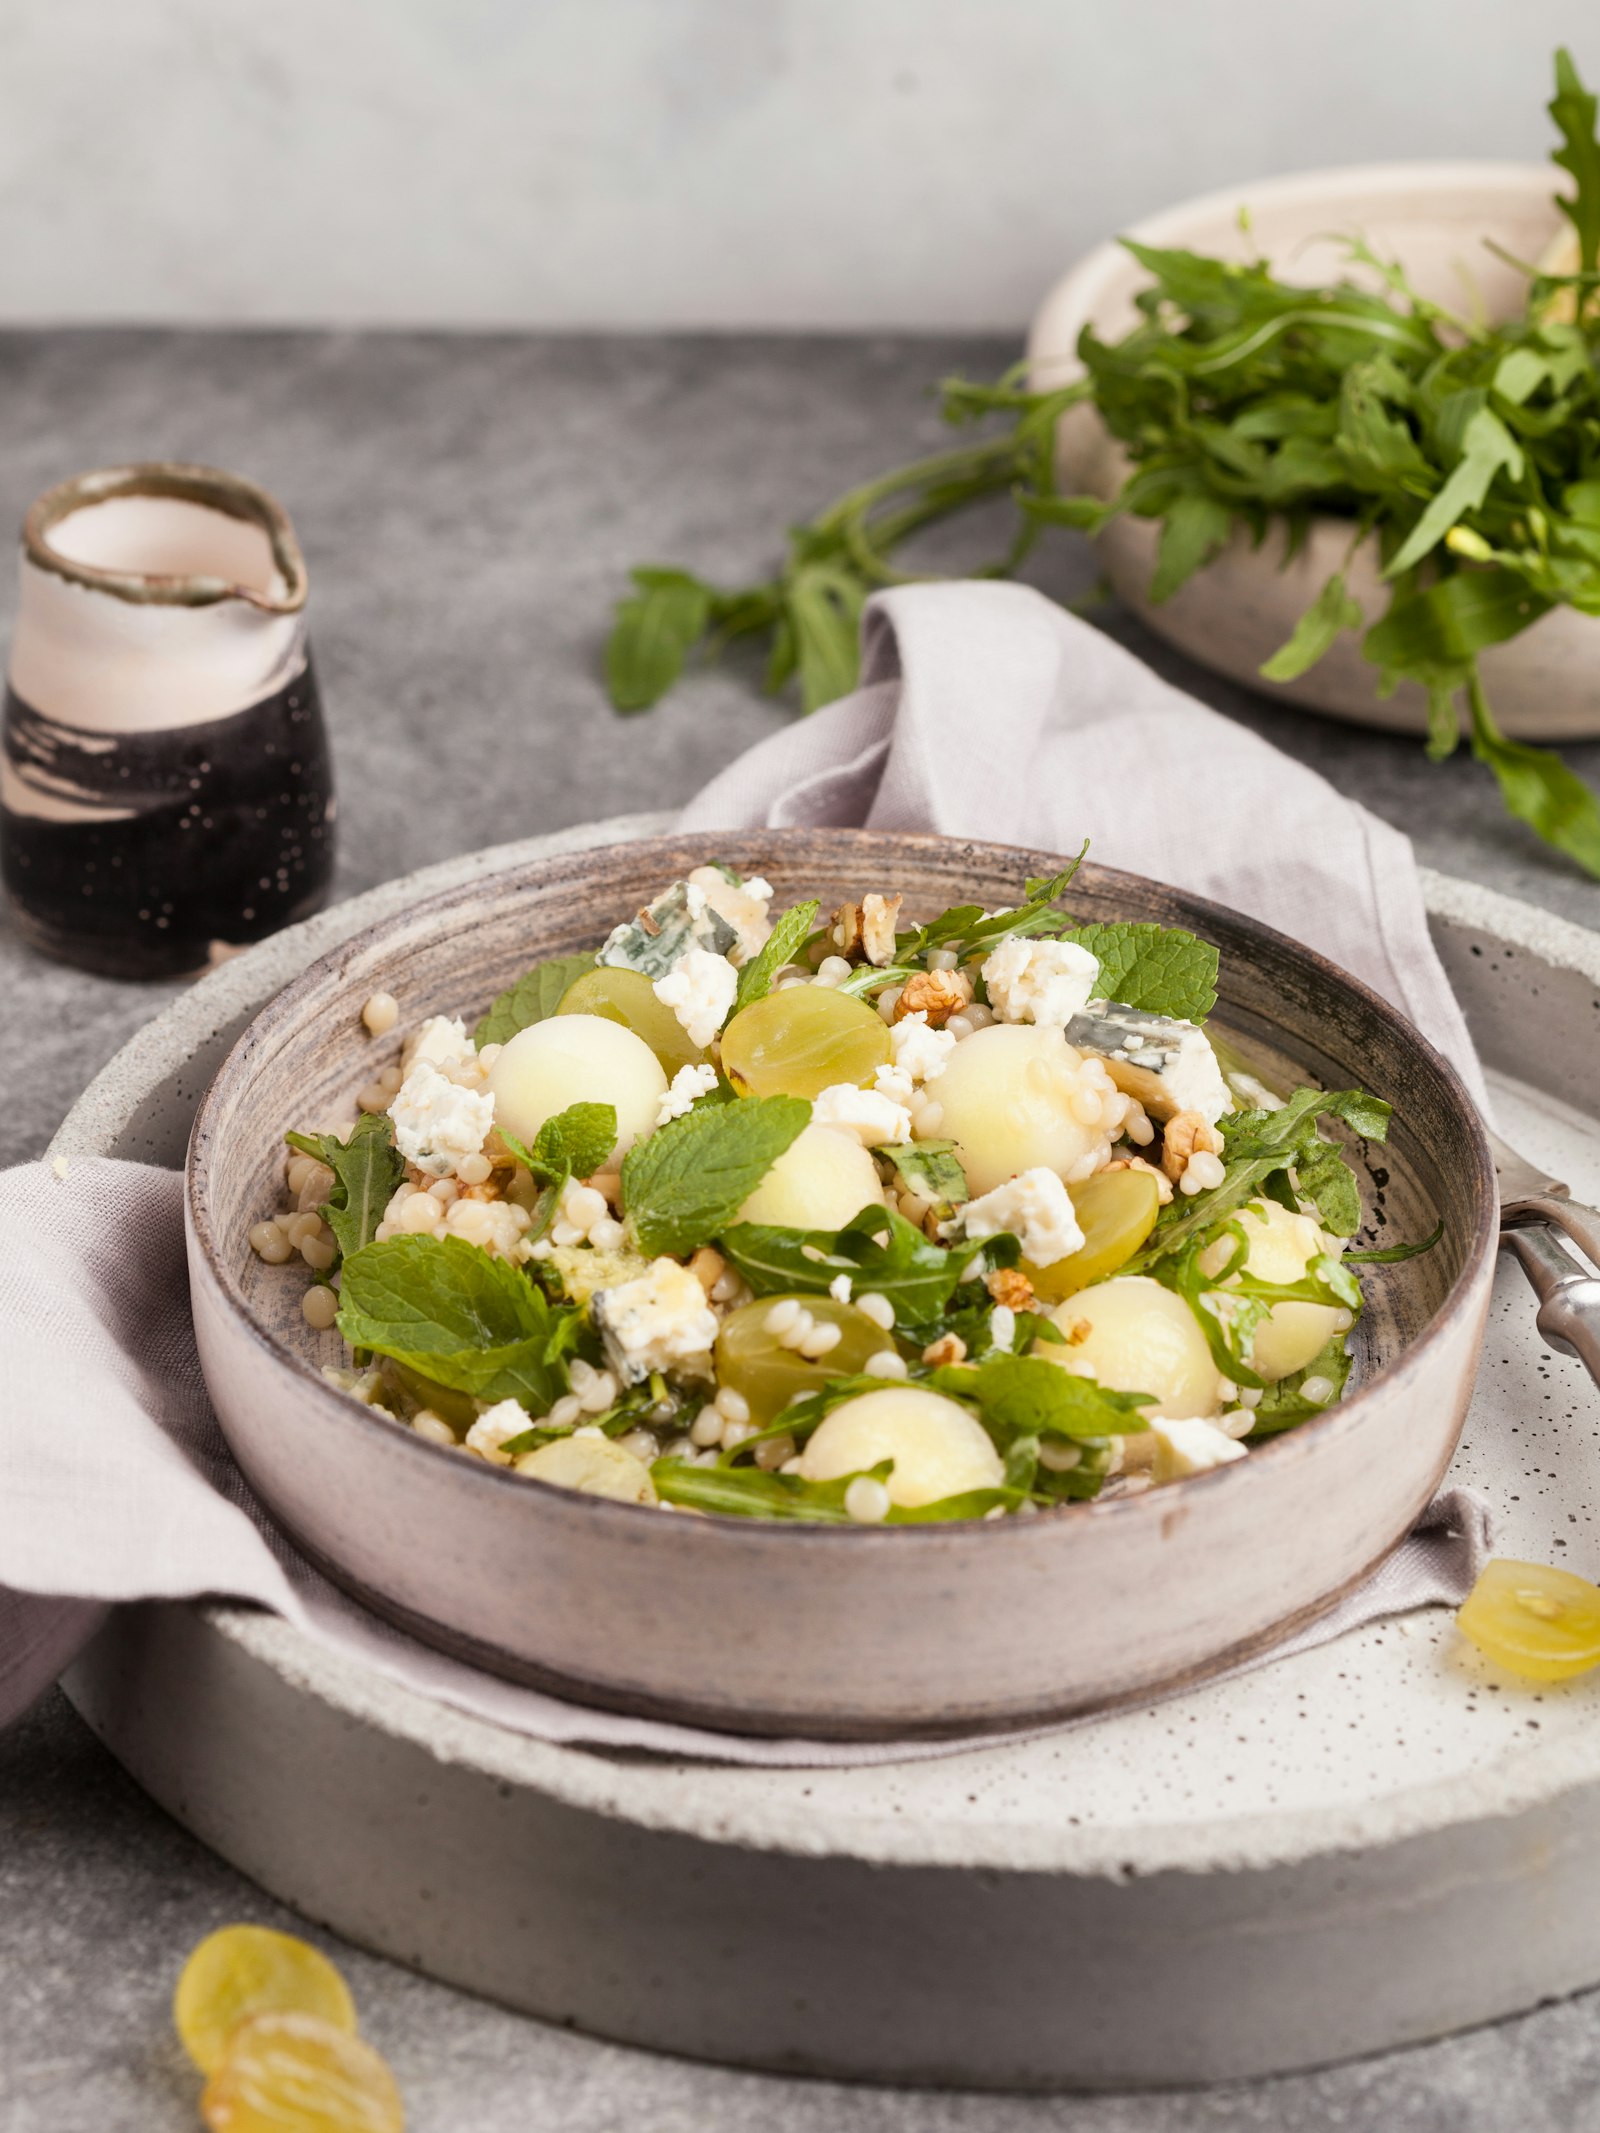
[1195, 526]
[1029, 1396]
[1283, 1404]
[748, 1492]
[1230, 1302]
[878, 1248]
[1161, 970]
[1257, 1145]
[685, 1181]
[930, 1168]
[788, 937]
[653, 633]
[534, 998]
[1330, 614]
[1393, 1254]
[1537, 786]
[1573, 110]
[367, 1169]
[968, 927]
[447, 1309]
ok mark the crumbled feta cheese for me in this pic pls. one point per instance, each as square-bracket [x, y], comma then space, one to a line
[700, 989]
[839, 1288]
[895, 1083]
[1039, 981]
[437, 1122]
[442, 1042]
[496, 1426]
[867, 1113]
[1194, 1080]
[742, 903]
[689, 1083]
[1189, 1445]
[661, 1321]
[1037, 1210]
[920, 1053]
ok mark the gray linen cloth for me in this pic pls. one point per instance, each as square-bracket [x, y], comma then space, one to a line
[984, 711]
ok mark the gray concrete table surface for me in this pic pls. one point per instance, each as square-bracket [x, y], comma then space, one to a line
[469, 506]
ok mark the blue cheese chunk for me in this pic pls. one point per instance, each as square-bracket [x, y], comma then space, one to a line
[656, 941]
[660, 1321]
[1168, 1065]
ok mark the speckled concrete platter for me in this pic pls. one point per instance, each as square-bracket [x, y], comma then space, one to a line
[1368, 1843]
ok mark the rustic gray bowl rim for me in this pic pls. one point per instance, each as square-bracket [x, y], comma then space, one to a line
[1301, 1442]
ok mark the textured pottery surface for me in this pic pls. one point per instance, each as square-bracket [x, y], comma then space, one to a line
[1234, 614]
[856, 1632]
[165, 787]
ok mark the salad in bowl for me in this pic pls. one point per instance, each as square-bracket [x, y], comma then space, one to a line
[849, 1215]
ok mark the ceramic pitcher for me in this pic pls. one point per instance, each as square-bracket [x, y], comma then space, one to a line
[165, 788]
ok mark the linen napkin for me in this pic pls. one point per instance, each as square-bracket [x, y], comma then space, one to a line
[984, 711]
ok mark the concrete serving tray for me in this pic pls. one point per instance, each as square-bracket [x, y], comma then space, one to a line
[1366, 1844]
[1234, 614]
[898, 1630]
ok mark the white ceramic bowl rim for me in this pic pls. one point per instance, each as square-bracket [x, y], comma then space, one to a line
[345, 1413]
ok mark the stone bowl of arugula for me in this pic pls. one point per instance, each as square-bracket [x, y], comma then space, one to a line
[775, 1609]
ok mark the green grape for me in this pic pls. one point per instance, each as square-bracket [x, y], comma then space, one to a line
[1533, 1619]
[240, 1972]
[753, 1361]
[627, 996]
[459, 1409]
[1116, 1212]
[294, 2073]
[803, 1040]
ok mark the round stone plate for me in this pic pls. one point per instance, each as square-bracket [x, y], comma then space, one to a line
[1365, 1844]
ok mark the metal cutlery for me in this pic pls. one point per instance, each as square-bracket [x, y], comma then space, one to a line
[1540, 1223]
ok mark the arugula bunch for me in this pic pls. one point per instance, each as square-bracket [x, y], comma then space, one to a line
[1468, 453]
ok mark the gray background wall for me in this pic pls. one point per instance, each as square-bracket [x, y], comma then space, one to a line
[687, 163]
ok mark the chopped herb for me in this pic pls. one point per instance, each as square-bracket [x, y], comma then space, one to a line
[367, 1169]
[688, 1179]
[534, 998]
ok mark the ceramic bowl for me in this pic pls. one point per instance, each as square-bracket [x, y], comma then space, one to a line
[823, 1631]
[1234, 614]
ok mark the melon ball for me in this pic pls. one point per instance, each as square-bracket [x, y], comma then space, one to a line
[1282, 1243]
[576, 1059]
[594, 1466]
[939, 1448]
[821, 1179]
[1132, 1335]
[1016, 1096]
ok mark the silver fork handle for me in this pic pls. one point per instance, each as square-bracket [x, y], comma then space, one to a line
[1582, 1224]
[1569, 1294]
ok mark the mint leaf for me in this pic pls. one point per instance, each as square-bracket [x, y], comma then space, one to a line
[652, 634]
[575, 1142]
[447, 1309]
[1161, 970]
[930, 1168]
[367, 1169]
[878, 1248]
[689, 1178]
[788, 936]
[1331, 613]
[534, 998]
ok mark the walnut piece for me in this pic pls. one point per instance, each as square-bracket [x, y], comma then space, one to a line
[1010, 1288]
[865, 931]
[948, 1348]
[938, 994]
[1185, 1135]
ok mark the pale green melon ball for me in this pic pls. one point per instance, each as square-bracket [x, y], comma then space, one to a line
[939, 1448]
[1012, 1097]
[821, 1179]
[1132, 1335]
[576, 1059]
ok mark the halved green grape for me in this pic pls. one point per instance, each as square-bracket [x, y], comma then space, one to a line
[628, 997]
[1116, 1211]
[239, 1972]
[459, 1409]
[802, 1041]
[752, 1360]
[1533, 1619]
[293, 2073]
